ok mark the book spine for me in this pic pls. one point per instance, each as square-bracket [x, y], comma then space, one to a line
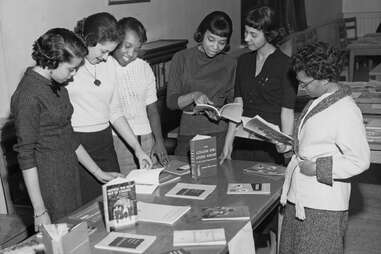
[192, 149]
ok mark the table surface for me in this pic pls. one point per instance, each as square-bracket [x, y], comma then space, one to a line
[231, 171]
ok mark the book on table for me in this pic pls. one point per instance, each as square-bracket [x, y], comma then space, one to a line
[177, 251]
[191, 191]
[125, 242]
[225, 213]
[263, 130]
[248, 188]
[177, 167]
[159, 213]
[147, 180]
[203, 156]
[265, 169]
[230, 111]
[120, 205]
[199, 237]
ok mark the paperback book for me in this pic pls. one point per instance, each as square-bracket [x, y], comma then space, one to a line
[158, 213]
[125, 242]
[248, 188]
[230, 111]
[225, 213]
[203, 156]
[177, 167]
[120, 205]
[191, 191]
[177, 251]
[265, 130]
[265, 169]
[200, 237]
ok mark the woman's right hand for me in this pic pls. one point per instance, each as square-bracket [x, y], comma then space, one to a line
[41, 220]
[104, 177]
[201, 98]
[226, 153]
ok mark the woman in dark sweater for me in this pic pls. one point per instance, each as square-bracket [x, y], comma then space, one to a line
[202, 74]
[264, 86]
[48, 153]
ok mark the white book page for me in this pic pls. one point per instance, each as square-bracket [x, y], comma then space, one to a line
[160, 213]
[145, 176]
[199, 237]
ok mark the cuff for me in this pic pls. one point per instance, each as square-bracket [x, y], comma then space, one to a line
[324, 170]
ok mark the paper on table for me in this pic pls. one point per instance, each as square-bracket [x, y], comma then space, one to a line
[243, 241]
[167, 214]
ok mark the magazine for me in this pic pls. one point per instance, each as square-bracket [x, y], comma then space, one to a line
[158, 213]
[190, 191]
[199, 237]
[230, 111]
[119, 201]
[248, 188]
[124, 242]
[225, 213]
[265, 169]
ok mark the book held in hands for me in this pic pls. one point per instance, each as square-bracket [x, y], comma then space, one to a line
[199, 237]
[203, 156]
[230, 111]
[225, 213]
[119, 201]
[191, 191]
[124, 242]
[248, 188]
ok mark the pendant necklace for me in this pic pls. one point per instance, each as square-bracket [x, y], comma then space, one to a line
[96, 82]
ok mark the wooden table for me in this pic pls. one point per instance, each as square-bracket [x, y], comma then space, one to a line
[369, 45]
[259, 205]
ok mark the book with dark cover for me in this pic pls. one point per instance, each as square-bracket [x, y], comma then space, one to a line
[225, 213]
[125, 242]
[120, 205]
[230, 111]
[203, 155]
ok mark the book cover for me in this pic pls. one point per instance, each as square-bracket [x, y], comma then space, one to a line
[225, 213]
[265, 169]
[124, 242]
[166, 177]
[120, 205]
[203, 156]
[191, 191]
[200, 237]
[248, 188]
[177, 251]
[267, 130]
[230, 111]
[177, 167]
[158, 213]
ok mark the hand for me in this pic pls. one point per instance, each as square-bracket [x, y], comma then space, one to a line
[226, 153]
[104, 177]
[211, 115]
[44, 219]
[282, 148]
[200, 98]
[144, 160]
[159, 150]
[307, 167]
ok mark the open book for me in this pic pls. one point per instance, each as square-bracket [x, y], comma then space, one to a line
[265, 130]
[230, 111]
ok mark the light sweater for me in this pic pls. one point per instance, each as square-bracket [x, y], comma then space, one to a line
[94, 106]
[137, 90]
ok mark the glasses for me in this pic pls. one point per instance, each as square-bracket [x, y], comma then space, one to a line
[304, 84]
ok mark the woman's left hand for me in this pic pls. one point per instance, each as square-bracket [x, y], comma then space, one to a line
[144, 160]
[104, 176]
[307, 167]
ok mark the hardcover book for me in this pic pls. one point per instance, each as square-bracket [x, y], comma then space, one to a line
[230, 111]
[203, 156]
[225, 213]
[190, 191]
[158, 213]
[200, 237]
[248, 188]
[120, 205]
[124, 242]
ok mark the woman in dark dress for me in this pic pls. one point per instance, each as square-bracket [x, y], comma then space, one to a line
[47, 152]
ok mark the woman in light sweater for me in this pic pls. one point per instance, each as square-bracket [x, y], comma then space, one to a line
[96, 104]
[330, 146]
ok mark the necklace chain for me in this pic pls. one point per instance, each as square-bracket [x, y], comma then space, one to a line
[96, 82]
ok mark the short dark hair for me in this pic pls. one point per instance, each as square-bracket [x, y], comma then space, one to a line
[131, 23]
[218, 23]
[263, 19]
[98, 28]
[318, 60]
[58, 45]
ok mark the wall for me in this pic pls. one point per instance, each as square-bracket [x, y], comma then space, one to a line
[21, 22]
[323, 11]
[361, 6]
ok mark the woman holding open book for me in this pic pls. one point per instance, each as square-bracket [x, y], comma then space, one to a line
[202, 75]
[264, 86]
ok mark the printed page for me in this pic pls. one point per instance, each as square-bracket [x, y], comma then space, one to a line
[160, 213]
[200, 237]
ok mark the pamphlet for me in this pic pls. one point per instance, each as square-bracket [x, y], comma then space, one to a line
[158, 213]
[201, 237]
[230, 111]
[125, 242]
[203, 156]
[248, 188]
[190, 191]
[225, 213]
[119, 201]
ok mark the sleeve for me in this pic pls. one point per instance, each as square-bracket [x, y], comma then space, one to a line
[289, 86]
[26, 112]
[237, 80]
[116, 109]
[231, 81]
[151, 95]
[354, 149]
[175, 81]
